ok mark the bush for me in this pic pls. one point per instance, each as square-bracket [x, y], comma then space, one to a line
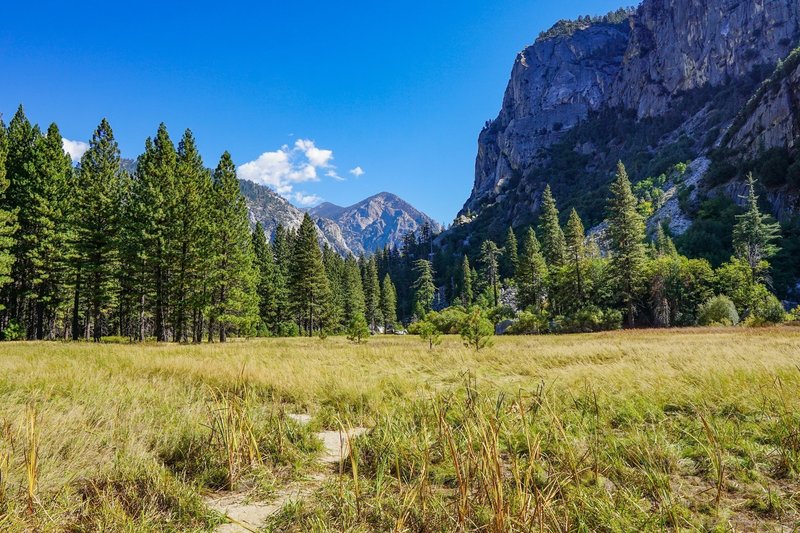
[766, 310]
[794, 315]
[718, 311]
[12, 332]
[476, 330]
[590, 319]
[428, 333]
[529, 323]
[357, 330]
[288, 329]
[447, 321]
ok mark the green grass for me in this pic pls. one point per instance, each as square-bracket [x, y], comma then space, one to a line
[633, 430]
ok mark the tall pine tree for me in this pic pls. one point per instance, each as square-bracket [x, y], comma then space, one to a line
[532, 273]
[575, 236]
[465, 283]
[510, 255]
[490, 260]
[8, 220]
[388, 304]
[309, 291]
[553, 242]
[96, 232]
[265, 262]
[424, 287]
[234, 277]
[754, 235]
[626, 232]
[372, 293]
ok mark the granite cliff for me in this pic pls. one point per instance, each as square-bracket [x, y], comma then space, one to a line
[655, 86]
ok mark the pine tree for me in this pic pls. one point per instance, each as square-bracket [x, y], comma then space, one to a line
[234, 277]
[96, 231]
[372, 293]
[335, 272]
[281, 248]
[465, 283]
[424, 287]
[490, 256]
[626, 232]
[23, 140]
[353, 291]
[388, 303]
[265, 263]
[309, 291]
[532, 273]
[154, 204]
[50, 173]
[553, 241]
[575, 236]
[8, 224]
[191, 226]
[663, 243]
[510, 255]
[754, 235]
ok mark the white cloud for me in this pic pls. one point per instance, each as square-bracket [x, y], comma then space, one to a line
[357, 172]
[316, 156]
[75, 149]
[283, 168]
[334, 175]
[304, 199]
[290, 165]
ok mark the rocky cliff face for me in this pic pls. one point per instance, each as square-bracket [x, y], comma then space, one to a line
[681, 45]
[772, 117]
[666, 82]
[364, 227]
[378, 221]
[554, 84]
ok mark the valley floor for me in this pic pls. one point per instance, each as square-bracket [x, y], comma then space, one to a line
[629, 430]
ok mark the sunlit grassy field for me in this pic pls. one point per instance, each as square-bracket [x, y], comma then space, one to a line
[633, 430]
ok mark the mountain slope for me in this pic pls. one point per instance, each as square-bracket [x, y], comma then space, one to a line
[271, 209]
[378, 221]
[369, 225]
[654, 87]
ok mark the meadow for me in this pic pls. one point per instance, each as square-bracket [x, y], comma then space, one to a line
[694, 429]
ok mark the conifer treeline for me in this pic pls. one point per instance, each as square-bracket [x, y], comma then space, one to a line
[167, 253]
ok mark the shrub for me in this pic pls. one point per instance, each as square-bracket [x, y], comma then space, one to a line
[476, 330]
[766, 310]
[794, 315]
[287, 329]
[718, 311]
[357, 330]
[12, 332]
[447, 321]
[529, 323]
[428, 332]
[592, 318]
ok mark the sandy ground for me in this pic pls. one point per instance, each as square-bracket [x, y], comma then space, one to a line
[248, 516]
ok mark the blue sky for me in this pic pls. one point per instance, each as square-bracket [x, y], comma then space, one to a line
[322, 100]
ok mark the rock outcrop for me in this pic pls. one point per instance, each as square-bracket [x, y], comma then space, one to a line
[677, 67]
[554, 84]
[771, 118]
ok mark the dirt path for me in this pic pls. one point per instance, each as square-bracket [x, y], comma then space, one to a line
[248, 516]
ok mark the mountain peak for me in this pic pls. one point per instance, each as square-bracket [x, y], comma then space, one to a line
[382, 219]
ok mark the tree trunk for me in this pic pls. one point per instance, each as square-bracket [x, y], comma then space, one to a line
[76, 318]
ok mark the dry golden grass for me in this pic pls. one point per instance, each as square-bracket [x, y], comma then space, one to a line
[121, 437]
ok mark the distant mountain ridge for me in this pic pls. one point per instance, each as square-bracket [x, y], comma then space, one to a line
[375, 222]
[364, 227]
